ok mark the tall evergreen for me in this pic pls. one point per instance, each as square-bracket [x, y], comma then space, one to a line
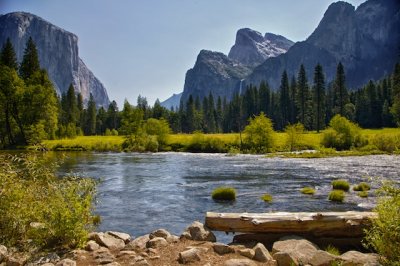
[7, 56]
[319, 98]
[265, 98]
[284, 99]
[112, 116]
[395, 84]
[292, 105]
[72, 106]
[303, 98]
[91, 116]
[341, 96]
[30, 61]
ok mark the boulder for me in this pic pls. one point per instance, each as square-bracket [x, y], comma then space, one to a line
[92, 245]
[284, 258]
[156, 242]
[190, 255]
[172, 239]
[107, 240]
[3, 253]
[239, 262]
[300, 250]
[247, 252]
[127, 254]
[123, 236]
[103, 256]
[355, 258]
[16, 260]
[160, 233]
[138, 243]
[261, 253]
[198, 232]
[66, 262]
[323, 258]
[222, 249]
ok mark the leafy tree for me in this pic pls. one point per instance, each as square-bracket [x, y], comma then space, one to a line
[30, 61]
[319, 98]
[131, 119]
[341, 96]
[260, 134]
[159, 128]
[7, 56]
[294, 136]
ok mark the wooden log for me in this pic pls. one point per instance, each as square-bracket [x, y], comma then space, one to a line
[318, 224]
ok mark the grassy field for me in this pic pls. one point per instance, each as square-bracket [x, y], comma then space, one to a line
[218, 143]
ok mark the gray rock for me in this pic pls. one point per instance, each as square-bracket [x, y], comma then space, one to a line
[160, 233]
[261, 253]
[138, 243]
[103, 256]
[108, 241]
[127, 253]
[157, 242]
[58, 53]
[222, 249]
[323, 258]
[3, 253]
[189, 256]
[92, 245]
[355, 258]
[300, 250]
[239, 262]
[196, 231]
[66, 262]
[123, 236]
[247, 252]
[284, 258]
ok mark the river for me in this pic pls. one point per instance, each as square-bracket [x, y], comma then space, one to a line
[143, 192]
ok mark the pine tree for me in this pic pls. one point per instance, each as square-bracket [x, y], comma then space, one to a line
[319, 98]
[112, 116]
[72, 106]
[219, 115]
[292, 105]
[7, 56]
[395, 85]
[30, 61]
[265, 98]
[303, 98]
[91, 116]
[284, 99]
[341, 96]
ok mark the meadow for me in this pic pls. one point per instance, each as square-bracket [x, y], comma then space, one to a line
[230, 143]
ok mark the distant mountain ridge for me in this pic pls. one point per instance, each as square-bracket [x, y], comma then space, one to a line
[172, 102]
[58, 53]
[366, 40]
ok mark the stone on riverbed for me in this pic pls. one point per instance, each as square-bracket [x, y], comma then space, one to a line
[198, 232]
[107, 240]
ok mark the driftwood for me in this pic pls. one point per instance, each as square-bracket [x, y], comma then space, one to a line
[314, 224]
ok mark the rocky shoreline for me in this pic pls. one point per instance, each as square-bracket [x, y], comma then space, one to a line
[196, 246]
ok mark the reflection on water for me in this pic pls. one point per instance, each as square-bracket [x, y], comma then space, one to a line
[144, 192]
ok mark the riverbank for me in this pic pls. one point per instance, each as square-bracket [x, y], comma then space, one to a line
[196, 246]
[308, 144]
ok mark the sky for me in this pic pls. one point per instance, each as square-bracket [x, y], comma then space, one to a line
[145, 47]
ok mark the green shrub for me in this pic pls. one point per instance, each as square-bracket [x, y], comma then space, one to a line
[259, 134]
[203, 143]
[308, 190]
[362, 187]
[336, 195]
[266, 198]
[294, 136]
[332, 250]
[363, 194]
[343, 134]
[224, 193]
[384, 234]
[341, 184]
[387, 143]
[38, 205]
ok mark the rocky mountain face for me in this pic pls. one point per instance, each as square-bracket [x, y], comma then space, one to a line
[172, 102]
[366, 40]
[58, 53]
[221, 74]
[252, 49]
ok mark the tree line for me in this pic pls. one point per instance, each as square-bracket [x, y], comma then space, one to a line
[32, 111]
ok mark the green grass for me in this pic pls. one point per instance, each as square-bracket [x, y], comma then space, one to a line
[266, 198]
[86, 143]
[362, 187]
[308, 190]
[363, 194]
[224, 193]
[336, 195]
[332, 250]
[340, 184]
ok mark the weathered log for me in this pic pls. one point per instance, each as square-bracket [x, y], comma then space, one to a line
[318, 224]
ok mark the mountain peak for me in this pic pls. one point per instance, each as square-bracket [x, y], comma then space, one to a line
[252, 48]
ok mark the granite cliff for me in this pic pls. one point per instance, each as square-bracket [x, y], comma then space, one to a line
[58, 53]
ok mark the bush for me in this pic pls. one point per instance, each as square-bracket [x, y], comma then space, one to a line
[224, 193]
[387, 143]
[362, 187]
[308, 190]
[332, 250]
[260, 134]
[203, 143]
[343, 134]
[384, 234]
[294, 136]
[336, 195]
[341, 184]
[37, 205]
[266, 198]
[363, 194]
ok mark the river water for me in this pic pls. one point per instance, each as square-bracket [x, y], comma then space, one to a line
[143, 192]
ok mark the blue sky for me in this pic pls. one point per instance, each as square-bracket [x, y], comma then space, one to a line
[146, 46]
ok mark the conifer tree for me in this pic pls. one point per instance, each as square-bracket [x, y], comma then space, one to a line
[7, 56]
[292, 96]
[91, 116]
[319, 98]
[395, 84]
[284, 99]
[30, 61]
[341, 96]
[265, 98]
[303, 98]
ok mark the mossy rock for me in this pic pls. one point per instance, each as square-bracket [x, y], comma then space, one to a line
[308, 190]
